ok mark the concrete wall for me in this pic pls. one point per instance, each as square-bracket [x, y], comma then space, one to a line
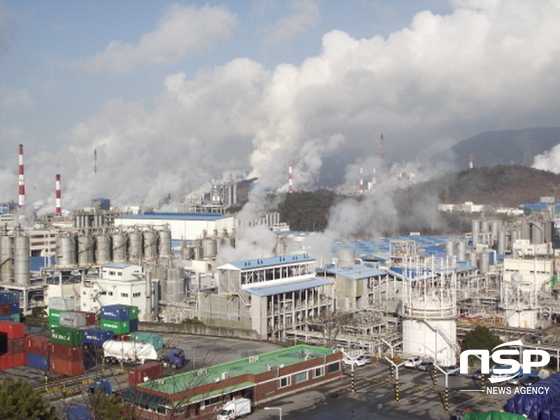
[245, 334]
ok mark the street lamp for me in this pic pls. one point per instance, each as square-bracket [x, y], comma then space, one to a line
[276, 408]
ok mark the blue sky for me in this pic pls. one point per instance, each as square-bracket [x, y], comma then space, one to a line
[174, 94]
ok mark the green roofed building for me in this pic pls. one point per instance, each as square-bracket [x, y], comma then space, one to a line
[261, 378]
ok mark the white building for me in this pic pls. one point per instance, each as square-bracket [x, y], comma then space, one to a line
[117, 284]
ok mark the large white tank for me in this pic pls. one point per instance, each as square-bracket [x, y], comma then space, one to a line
[209, 248]
[135, 245]
[501, 247]
[462, 251]
[346, 257]
[165, 243]
[475, 226]
[6, 256]
[484, 262]
[175, 285]
[65, 250]
[134, 351]
[21, 260]
[85, 250]
[537, 233]
[419, 339]
[150, 243]
[449, 248]
[119, 247]
[521, 318]
[102, 249]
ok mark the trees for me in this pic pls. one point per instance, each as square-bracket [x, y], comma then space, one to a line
[480, 338]
[18, 401]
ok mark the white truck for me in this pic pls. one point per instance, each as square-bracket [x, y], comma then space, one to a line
[115, 351]
[234, 409]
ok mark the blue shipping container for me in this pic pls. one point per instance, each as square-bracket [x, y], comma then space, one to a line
[78, 412]
[37, 361]
[115, 313]
[97, 336]
[8, 297]
[14, 308]
[134, 325]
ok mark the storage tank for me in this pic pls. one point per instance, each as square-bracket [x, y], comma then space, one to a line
[461, 251]
[119, 247]
[346, 257]
[165, 243]
[65, 250]
[135, 245]
[537, 233]
[473, 258]
[475, 225]
[175, 289]
[21, 260]
[197, 251]
[525, 231]
[85, 250]
[449, 248]
[209, 248]
[501, 247]
[102, 249]
[150, 243]
[187, 252]
[6, 259]
[484, 262]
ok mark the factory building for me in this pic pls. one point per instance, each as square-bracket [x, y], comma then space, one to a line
[260, 378]
[269, 295]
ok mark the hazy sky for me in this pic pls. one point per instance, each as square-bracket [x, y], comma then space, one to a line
[174, 94]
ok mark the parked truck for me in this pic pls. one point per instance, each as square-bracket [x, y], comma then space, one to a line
[115, 351]
[234, 409]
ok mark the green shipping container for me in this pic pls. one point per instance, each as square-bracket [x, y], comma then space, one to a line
[118, 327]
[54, 317]
[16, 317]
[154, 339]
[133, 311]
[67, 336]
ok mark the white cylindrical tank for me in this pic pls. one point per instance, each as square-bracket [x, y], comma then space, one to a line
[449, 248]
[6, 259]
[521, 318]
[209, 248]
[119, 247]
[21, 260]
[197, 252]
[475, 225]
[484, 262]
[525, 231]
[102, 249]
[484, 226]
[175, 288]
[135, 245]
[462, 251]
[473, 259]
[432, 329]
[85, 250]
[150, 243]
[165, 243]
[501, 247]
[537, 233]
[346, 257]
[65, 250]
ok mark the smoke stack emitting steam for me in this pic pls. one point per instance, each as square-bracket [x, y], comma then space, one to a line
[21, 181]
[290, 186]
[361, 179]
[58, 210]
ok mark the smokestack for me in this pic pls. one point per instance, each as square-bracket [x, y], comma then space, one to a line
[95, 161]
[290, 186]
[361, 179]
[471, 162]
[58, 210]
[21, 181]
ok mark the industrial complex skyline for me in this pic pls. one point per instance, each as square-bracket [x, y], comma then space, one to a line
[169, 96]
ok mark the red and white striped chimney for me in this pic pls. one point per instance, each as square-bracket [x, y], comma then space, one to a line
[361, 179]
[58, 210]
[290, 185]
[21, 180]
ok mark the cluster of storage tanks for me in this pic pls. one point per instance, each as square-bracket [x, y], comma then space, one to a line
[207, 246]
[118, 245]
[14, 258]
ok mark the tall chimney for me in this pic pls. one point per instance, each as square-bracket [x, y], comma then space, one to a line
[58, 210]
[21, 181]
[471, 162]
[361, 179]
[290, 185]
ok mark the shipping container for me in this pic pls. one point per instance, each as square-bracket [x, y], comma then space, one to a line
[6, 309]
[65, 352]
[67, 336]
[37, 344]
[118, 327]
[115, 313]
[14, 308]
[15, 345]
[66, 367]
[18, 359]
[133, 311]
[12, 329]
[146, 372]
[134, 324]
[91, 317]
[97, 336]
[122, 337]
[37, 361]
[6, 361]
[54, 317]
[7, 296]
[154, 339]
[62, 304]
[72, 319]
[77, 412]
